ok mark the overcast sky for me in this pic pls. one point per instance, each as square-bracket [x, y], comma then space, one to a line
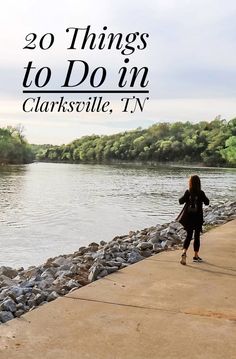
[191, 56]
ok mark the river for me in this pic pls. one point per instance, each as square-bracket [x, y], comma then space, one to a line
[49, 209]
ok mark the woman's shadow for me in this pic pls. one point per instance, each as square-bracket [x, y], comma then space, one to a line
[212, 265]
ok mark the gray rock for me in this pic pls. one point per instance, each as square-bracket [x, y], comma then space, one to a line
[31, 283]
[45, 283]
[124, 265]
[83, 250]
[76, 259]
[74, 269]
[33, 273]
[175, 226]
[165, 244]
[36, 290]
[20, 306]
[49, 272]
[99, 254]
[131, 233]
[120, 260]
[103, 273]
[154, 239]
[59, 261]
[4, 291]
[93, 247]
[111, 269]
[94, 255]
[114, 249]
[113, 263]
[103, 243]
[5, 316]
[65, 267]
[27, 290]
[145, 245]
[175, 240]
[19, 312]
[93, 244]
[15, 292]
[31, 301]
[164, 232]
[8, 305]
[73, 284]
[39, 298]
[147, 253]
[94, 271]
[8, 272]
[134, 257]
[157, 248]
[108, 257]
[59, 282]
[63, 274]
[52, 296]
[210, 218]
[6, 281]
[89, 256]
[128, 240]
[28, 295]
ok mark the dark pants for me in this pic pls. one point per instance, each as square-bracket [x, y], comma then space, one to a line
[196, 244]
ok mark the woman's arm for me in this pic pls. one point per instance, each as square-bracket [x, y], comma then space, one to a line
[185, 198]
[205, 200]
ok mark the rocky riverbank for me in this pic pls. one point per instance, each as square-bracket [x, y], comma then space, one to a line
[22, 290]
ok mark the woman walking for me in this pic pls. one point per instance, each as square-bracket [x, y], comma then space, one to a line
[191, 217]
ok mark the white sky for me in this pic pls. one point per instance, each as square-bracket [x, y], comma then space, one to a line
[191, 57]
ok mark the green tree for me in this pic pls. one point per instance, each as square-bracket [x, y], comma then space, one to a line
[229, 153]
[203, 142]
[14, 148]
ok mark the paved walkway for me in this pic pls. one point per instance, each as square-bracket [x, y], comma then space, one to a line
[156, 308]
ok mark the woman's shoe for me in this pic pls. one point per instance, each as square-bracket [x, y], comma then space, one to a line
[183, 259]
[197, 259]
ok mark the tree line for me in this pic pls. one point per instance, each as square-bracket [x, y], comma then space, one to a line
[14, 149]
[208, 143]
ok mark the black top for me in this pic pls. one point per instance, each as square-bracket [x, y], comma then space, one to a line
[193, 212]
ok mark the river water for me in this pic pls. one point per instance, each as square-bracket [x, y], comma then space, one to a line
[49, 209]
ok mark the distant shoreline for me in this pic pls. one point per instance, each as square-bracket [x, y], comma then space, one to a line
[137, 163]
[124, 163]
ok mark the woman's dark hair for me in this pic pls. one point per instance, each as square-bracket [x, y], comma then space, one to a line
[194, 184]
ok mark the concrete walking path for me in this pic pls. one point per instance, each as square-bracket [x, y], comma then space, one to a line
[154, 309]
